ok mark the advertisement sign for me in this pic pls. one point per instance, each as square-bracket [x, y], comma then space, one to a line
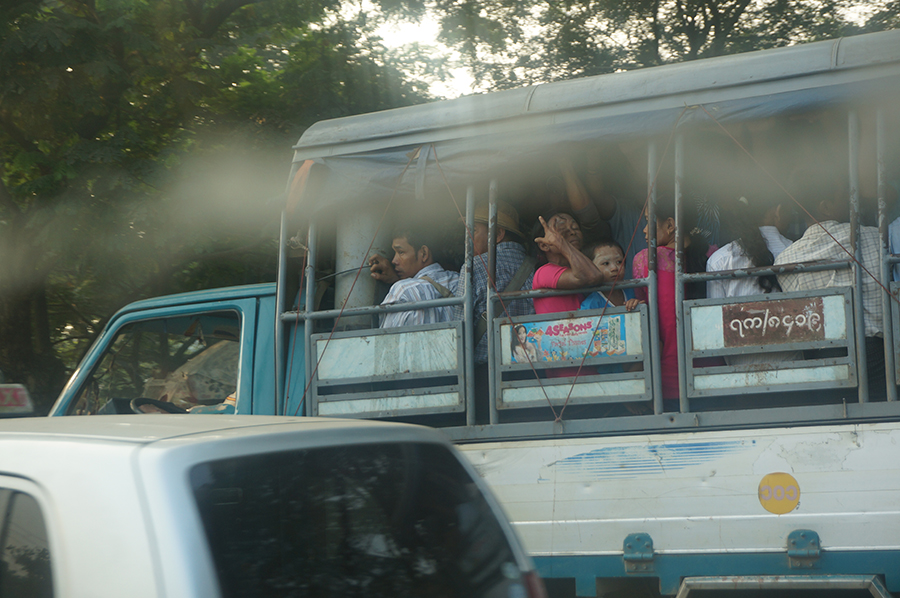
[566, 339]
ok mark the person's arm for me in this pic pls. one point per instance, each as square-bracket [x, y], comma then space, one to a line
[575, 190]
[581, 203]
[604, 202]
[581, 271]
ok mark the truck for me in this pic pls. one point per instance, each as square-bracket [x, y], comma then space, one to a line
[775, 474]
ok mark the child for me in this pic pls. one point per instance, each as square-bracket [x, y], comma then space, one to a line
[610, 260]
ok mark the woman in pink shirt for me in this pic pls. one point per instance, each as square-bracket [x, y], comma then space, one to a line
[566, 267]
[695, 254]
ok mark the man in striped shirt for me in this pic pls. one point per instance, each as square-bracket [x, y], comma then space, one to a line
[828, 239]
[414, 276]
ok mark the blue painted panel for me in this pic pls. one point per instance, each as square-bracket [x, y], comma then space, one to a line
[647, 459]
[264, 359]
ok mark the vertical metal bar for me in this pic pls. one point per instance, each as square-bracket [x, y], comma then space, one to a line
[886, 269]
[679, 268]
[469, 312]
[493, 371]
[311, 357]
[280, 292]
[652, 304]
[856, 242]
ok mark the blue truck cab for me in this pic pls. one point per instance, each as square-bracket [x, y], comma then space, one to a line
[207, 351]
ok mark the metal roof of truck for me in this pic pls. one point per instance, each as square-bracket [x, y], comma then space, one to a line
[802, 67]
[374, 156]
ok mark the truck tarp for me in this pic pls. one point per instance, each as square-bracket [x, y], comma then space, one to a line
[471, 137]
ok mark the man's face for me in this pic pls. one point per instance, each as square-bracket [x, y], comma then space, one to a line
[407, 261]
[480, 238]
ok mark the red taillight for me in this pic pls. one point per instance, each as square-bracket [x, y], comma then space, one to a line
[534, 585]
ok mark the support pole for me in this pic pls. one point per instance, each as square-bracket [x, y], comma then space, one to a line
[280, 292]
[311, 356]
[856, 243]
[683, 403]
[886, 269]
[469, 311]
[652, 284]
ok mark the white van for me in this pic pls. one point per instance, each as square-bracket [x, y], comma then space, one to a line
[222, 506]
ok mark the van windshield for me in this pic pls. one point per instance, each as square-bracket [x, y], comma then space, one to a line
[366, 520]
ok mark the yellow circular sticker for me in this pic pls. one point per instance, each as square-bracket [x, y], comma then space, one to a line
[779, 493]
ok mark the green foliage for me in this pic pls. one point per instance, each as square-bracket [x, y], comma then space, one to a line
[141, 144]
[509, 43]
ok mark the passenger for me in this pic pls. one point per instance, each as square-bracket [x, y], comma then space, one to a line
[758, 228]
[829, 212]
[595, 206]
[566, 268]
[695, 250]
[758, 225]
[610, 260]
[514, 271]
[414, 276]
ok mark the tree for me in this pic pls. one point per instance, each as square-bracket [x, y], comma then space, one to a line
[125, 130]
[509, 43]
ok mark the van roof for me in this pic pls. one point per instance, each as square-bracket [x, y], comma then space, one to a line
[146, 429]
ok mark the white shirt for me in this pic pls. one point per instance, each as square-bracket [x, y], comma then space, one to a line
[413, 289]
[732, 257]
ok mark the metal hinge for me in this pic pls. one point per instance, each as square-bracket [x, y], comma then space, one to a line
[638, 553]
[803, 549]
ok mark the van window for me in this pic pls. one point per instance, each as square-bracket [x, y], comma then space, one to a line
[24, 551]
[186, 360]
[365, 520]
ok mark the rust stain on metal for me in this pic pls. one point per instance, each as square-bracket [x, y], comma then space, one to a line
[773, 322]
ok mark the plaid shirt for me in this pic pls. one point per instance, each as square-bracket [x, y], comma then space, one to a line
[509, 258]
[817, 245]
[409, 290]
